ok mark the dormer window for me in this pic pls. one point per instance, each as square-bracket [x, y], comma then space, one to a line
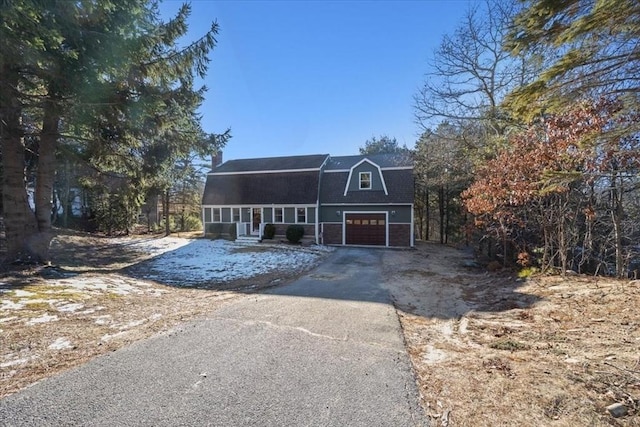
[365, 180]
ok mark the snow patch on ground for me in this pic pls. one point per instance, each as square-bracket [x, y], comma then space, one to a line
[46, 318]
[6, 304]
[17, 362]
[102, 320]
[91, 310]
[177, 261]
[20, 293]
[155, 247]
[108, 337]
[60, 344]
[115, 284]
[71, 307]
[132, 324]
[217, 260]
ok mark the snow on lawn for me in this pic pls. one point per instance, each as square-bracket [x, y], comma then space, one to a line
[176, 261]
[155, 246]
[60, 344]
[222, 261]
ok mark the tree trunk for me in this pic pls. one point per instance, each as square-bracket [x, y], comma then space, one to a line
[20, 222]
[45, 177]
[441, 211]
[165, 208]
[617, 213]
[427, 214]
[447, 215]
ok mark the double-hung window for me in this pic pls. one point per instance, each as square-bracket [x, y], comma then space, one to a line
[301, 215]
[216, 215]
[278, 215]
[207, 214]
[235, 213]
[365, 180]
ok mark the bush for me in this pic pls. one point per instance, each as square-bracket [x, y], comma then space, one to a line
[295, 233]
[190, 223]
[269, 231]
[160, 226]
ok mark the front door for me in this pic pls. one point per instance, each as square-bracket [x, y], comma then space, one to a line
[256, 220]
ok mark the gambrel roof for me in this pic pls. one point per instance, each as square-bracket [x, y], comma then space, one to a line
[262, 188]
[399, 187]
[269, 180]
[385, 161]
[306, 179]
[395, 172]
[272, 164]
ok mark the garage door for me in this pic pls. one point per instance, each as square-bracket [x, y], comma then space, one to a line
[366, 229]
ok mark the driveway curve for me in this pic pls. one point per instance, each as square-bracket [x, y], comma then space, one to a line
[325, 350]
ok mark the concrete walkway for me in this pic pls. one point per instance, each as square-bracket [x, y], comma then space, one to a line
[326, 350]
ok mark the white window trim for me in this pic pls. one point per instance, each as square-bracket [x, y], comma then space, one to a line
[204, 215]
[213, 214]
[275, 220]
[360, 175]
[305, 215]
[384, 185]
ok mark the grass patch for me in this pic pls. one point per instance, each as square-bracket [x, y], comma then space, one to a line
[37, 306]
[528, 272]
[509, 345]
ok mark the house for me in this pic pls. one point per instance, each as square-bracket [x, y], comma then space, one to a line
[347, 200]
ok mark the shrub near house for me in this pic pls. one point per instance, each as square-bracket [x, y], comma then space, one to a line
[269, 231]
[295, 233]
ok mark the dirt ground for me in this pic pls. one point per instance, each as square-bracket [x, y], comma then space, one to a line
[95, 300]
[490, 349]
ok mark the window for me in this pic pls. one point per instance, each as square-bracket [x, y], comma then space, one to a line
[365, 180]
[235, 214]
[302, 215]
[279, 216]
[207, 214]
[216, 214]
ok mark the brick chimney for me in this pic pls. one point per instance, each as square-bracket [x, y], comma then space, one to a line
[216, 159]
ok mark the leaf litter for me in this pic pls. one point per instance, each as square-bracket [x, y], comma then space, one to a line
[489, 349]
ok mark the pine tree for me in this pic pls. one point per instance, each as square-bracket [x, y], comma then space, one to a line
[108, 76]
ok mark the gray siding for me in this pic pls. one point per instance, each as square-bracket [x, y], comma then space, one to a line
[376, 182]
[403, 212]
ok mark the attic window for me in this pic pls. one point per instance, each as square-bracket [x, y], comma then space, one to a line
[365, 180]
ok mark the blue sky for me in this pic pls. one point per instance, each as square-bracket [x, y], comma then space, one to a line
[308, 77]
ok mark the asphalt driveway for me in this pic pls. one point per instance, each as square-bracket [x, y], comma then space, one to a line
[326, 350]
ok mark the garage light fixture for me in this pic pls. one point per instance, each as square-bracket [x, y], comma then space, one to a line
[337, 213]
